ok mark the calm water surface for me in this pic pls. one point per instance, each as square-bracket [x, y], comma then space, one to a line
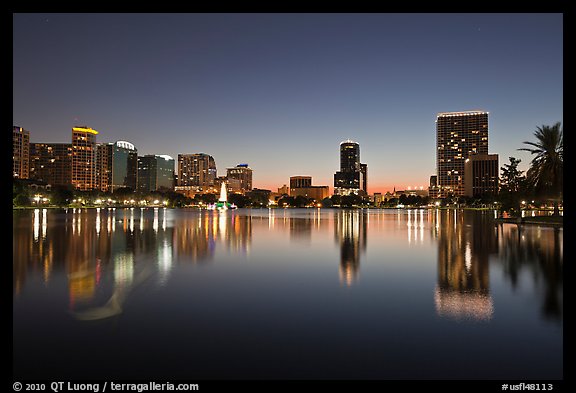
[284, 294]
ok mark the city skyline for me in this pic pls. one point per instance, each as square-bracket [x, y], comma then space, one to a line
[253, 88]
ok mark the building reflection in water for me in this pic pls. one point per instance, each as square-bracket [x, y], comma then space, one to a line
[123, 247]
[538, 250]
[104, 253]
[350, 231]
[415, 224]
[464, 246]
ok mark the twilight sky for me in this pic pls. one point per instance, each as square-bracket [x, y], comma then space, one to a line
[281, 91]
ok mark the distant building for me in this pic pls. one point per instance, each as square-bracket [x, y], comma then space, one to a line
[117, 166]
[232, 185]
[302, 185]
[51, 163]
[284, 190]
[352, 176]
[197, 169]
[155, 172]
[84, 158]
[315, 192]
[433, 189]
[21, 153]
[481, 175]
[300, 181]
[459, 135]
[421, 192]
[104, 166]
[378, 199]
[243, 173]
[364, 178]
[259, 195]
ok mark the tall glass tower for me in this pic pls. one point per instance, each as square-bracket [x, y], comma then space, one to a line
[351, 178]
[458, 136]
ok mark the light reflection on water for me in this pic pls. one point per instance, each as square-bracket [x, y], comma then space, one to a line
[458, 265]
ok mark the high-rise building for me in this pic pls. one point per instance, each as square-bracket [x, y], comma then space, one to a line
[481, 175]
[243, 173]
[364, 178]
[155, 172]
[458, 136]
[352, 176]
[104, 166]
[117, 166]
[21, 153]
[51, 163]
[84, 158]
[198, 169]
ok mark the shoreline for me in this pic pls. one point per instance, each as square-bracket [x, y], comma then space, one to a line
[548, 221]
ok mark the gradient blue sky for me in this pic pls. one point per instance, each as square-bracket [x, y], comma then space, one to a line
[281, 91]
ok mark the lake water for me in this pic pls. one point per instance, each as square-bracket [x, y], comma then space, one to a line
[284, 294]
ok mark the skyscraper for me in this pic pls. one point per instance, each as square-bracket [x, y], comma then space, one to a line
[117, 166]
[197, 169]
[21, 153]
[51, 163]
[155, 172]
[352, 176]
[243, 173]
[458, 136]
[84, 158]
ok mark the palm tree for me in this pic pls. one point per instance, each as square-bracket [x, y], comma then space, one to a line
[545, 175]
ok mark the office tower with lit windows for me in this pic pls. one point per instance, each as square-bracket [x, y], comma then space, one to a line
[155, 172]
[117, 166]
[21, 153]
[352, 176]
[197, 169]
[103, 166]
[84, 158]
[51, 163]
[458, 136]
[242, 173]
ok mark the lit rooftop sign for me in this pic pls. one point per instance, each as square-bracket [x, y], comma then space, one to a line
[85, 129]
